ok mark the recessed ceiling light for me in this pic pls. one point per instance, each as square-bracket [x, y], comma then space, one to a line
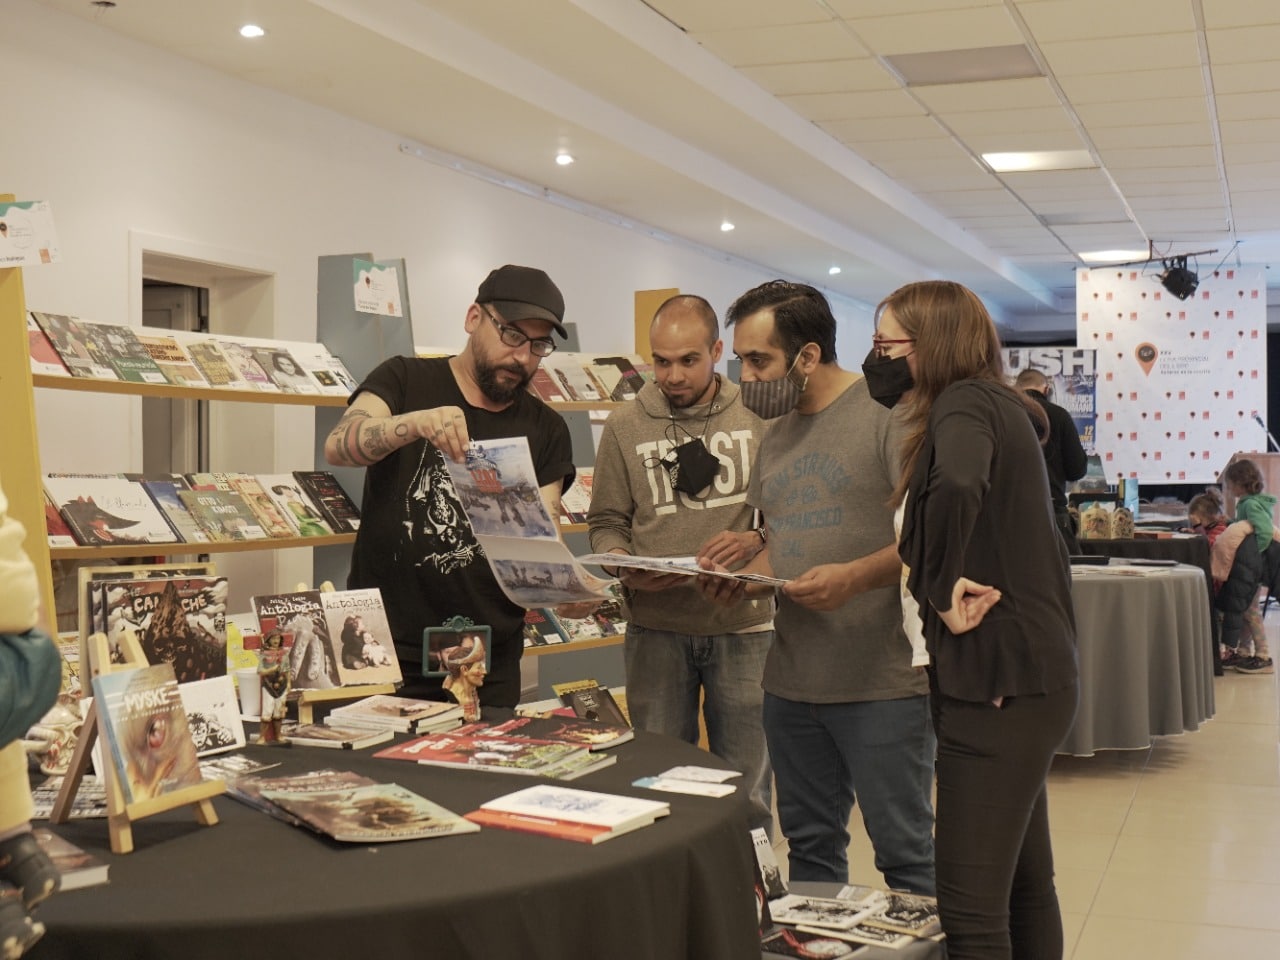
[833, 270]
[564, 159]
[725, 226]
[1039, 160]
[1112, 256]
[251, 31]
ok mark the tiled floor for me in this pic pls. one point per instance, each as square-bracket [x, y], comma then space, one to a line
[1171, 852]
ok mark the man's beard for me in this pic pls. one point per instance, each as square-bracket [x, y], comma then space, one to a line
[495, 390]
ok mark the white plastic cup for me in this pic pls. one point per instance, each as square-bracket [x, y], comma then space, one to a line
[250, 691]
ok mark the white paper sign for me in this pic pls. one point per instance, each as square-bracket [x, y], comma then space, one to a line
[376, 289]
[26, 234]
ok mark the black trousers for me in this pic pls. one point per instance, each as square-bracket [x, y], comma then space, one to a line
[996, 895]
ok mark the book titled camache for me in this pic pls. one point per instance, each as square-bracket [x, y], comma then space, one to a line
[146, 728]
[180, 621]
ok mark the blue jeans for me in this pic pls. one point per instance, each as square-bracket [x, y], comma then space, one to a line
[667, 671]
[826, 757]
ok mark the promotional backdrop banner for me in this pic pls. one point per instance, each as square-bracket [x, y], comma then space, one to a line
[1073, 375]
[1179, 381]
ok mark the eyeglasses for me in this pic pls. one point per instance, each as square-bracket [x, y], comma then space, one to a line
[515, 338]
[882, 346]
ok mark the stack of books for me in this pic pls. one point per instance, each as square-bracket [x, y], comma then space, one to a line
[397, 714]
[104, 509]
[497, 753]
[348, 807]
[860, 915]
[66, 346]
[569, 814]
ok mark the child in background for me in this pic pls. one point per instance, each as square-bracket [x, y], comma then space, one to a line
[1243, 480]
[1205, 515]
[30, 674]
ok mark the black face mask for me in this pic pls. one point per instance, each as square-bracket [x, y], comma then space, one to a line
[691, 467]
[888, 378]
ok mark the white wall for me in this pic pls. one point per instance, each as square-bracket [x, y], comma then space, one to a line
[121, 137]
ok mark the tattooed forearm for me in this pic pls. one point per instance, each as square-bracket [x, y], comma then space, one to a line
[345, 439]
[374, 443]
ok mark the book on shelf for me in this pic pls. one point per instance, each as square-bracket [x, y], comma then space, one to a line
[172, 359]
[289, 496]
[335, 737]
[328, 494]
[80, 350]
[44, 356]
[130, 359]
[55, 527]
[141, 718]
[544, 387]
[249, 789]
[575, 730]
[300, 617]
[163, 490]
[223, 515]
[594, 703]
[495, 754]
[375, 813]
[247, 365]
[402, 714]
[569, 374]
[577, 628]
[618, 375]
[541, 628]
[91, 599]
[214, 366]
[77, 866]
[107, 509]
[274, 520]
[576, 501]
[213, 714]
[365, 649]
[329, 373]
[179, 621]
[285, 371]
[607, 620]
[613, 812]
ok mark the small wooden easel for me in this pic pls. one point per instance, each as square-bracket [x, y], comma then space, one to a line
[307, 697]
[121, 815]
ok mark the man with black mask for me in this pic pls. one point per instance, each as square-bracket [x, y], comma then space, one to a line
[846, 710]
[671, 477]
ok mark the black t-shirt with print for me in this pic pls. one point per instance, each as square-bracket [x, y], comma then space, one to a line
[415, 542]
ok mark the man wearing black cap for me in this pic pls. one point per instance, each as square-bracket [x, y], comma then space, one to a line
[415, 542]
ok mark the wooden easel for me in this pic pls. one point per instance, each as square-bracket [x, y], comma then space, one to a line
[121, 815]
[307, 698]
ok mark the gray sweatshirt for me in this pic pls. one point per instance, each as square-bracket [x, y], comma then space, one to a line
[633, 506]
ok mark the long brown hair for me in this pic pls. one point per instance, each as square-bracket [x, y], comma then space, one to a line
[955, 339]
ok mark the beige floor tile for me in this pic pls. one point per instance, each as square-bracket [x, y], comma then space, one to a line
[1081, 851]
[1086, 815]
[1193, 822]
[1247, 862]
[1072, 925]
[1181, 899]
[1130, 938]
[1077, 888]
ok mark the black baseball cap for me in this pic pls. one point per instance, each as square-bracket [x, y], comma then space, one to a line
[523, 293]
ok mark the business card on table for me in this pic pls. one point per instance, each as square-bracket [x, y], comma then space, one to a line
[701, 774]
[697, 788]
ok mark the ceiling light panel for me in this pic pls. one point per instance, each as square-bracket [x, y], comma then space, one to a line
[1025, 161]
[965, 65]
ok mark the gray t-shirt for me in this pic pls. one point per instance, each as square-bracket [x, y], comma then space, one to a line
[823, 482]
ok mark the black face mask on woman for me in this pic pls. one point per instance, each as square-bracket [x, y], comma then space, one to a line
[888, 378]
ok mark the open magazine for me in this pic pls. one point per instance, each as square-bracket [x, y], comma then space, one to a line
[685, 566]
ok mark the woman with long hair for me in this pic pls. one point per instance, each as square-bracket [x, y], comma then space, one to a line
[990, 574]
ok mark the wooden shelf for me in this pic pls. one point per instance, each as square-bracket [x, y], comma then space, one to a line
[584, 404]
[572, 645]
[189, 549]
[574, 527]
[169, 391]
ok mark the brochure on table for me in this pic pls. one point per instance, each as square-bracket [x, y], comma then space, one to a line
[498, 488]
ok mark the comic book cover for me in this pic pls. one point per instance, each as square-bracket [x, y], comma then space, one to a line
[313, 664]
[357, 623]
[181, 621]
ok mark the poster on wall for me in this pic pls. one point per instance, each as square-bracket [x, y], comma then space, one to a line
[1180, 382]
[376, 289]
[1072, 375]
[26, 234]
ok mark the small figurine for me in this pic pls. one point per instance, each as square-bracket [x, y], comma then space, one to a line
[466, 666]
[1122, 524]
[273, 677]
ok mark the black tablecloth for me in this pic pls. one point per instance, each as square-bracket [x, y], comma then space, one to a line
[1193, 551]
[252, 886]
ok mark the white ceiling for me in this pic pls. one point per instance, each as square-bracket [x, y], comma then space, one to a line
[785, 117]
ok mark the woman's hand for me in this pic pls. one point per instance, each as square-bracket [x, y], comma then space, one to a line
[970, 602]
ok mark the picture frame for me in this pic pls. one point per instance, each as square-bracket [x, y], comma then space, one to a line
[437, 640]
